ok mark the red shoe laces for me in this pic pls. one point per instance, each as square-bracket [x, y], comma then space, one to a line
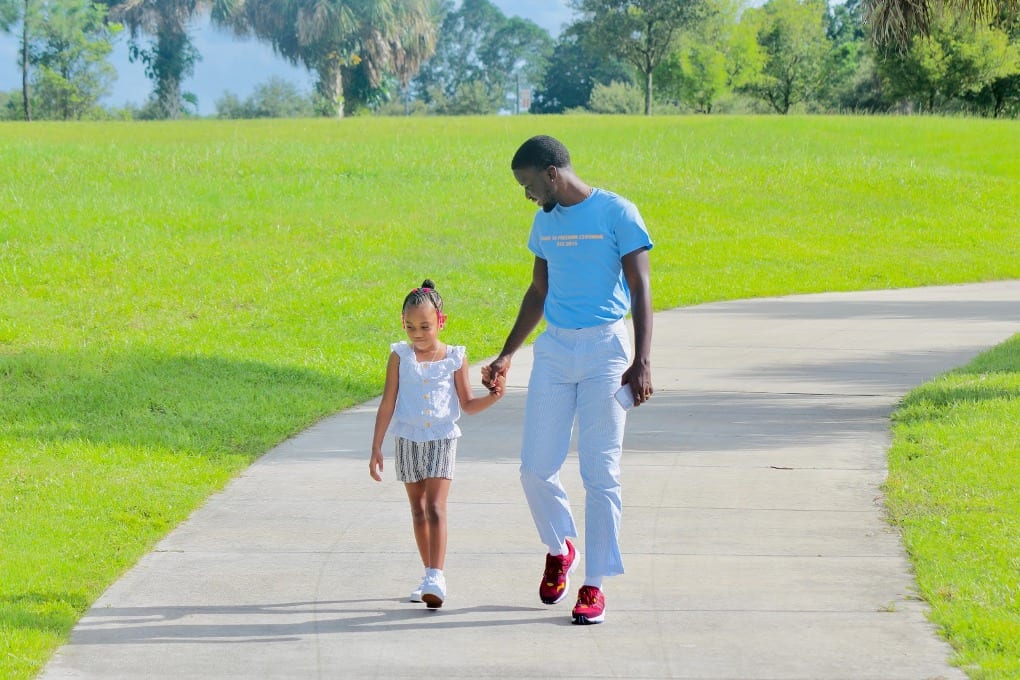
[555, 564]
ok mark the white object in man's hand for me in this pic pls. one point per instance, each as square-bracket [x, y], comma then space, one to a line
[625, 396]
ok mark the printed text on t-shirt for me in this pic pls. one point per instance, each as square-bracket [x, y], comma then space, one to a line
[571, 240]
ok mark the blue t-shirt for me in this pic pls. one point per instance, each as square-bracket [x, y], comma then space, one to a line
[584, 246]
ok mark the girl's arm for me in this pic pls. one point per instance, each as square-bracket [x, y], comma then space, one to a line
[384, 415]
[469, 403]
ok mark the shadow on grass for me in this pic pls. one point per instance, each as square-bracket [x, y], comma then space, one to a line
[208, 406]
[51, 612]
[93, 471]
[993, 376]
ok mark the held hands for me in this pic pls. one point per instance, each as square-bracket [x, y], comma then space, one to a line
[498, 386]
[492, 373]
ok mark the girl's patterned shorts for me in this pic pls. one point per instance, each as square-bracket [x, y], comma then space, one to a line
[421, 460]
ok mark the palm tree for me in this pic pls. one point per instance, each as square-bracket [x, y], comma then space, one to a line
[172, 56]
[896, 21]
[336, 38]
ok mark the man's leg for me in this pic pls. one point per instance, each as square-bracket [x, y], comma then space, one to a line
[548, 422]
[601, 422]
[600, 445]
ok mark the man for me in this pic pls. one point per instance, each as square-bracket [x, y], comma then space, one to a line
[591, 268]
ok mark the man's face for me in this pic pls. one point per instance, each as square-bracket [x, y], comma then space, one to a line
[538, 185]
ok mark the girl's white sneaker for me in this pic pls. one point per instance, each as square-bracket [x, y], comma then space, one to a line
[433, 591]
[416, 593]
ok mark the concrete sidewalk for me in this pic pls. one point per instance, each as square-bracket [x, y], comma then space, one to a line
[753, 532]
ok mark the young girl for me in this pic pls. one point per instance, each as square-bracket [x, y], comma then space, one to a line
[427, 388]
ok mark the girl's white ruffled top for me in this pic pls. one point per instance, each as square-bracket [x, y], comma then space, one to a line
[427, 405]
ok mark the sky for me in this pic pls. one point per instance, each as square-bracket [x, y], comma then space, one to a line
[237, 65]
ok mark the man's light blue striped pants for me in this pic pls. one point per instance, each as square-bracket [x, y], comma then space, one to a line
[574, 376]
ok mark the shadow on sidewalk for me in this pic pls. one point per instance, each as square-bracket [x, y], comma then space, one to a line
[146, 625]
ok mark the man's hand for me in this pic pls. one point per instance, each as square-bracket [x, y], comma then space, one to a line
[639, 377]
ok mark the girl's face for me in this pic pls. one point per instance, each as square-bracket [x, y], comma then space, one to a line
[421, 322]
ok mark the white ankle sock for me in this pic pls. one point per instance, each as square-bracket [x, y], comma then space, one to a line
[562, 550]
[595, 581]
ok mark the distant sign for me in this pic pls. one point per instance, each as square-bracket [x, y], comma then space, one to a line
[524, 99]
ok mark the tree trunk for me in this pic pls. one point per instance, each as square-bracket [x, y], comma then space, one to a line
[339, 93]
[331, 87]
[170, 98]
[25, 88]
[169, 65]
[648, 92]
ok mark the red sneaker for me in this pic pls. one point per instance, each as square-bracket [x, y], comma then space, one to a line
[590, 607]
[557, 569]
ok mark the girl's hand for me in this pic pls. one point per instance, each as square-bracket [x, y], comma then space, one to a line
[375, 465]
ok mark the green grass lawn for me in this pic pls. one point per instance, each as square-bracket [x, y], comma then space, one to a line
[954, 472]
[176, 298]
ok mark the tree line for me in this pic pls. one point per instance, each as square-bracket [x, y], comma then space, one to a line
[402, 57]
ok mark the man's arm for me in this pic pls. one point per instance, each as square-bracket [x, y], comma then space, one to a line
[530, 313]
[637, 271]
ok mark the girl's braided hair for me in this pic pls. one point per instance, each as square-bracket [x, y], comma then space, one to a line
[425, 293]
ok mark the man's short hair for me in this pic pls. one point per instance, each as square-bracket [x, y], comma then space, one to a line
[540, 152]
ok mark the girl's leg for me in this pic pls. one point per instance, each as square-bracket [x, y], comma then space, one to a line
[416, 495]
[433, 589]
[436, 491]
